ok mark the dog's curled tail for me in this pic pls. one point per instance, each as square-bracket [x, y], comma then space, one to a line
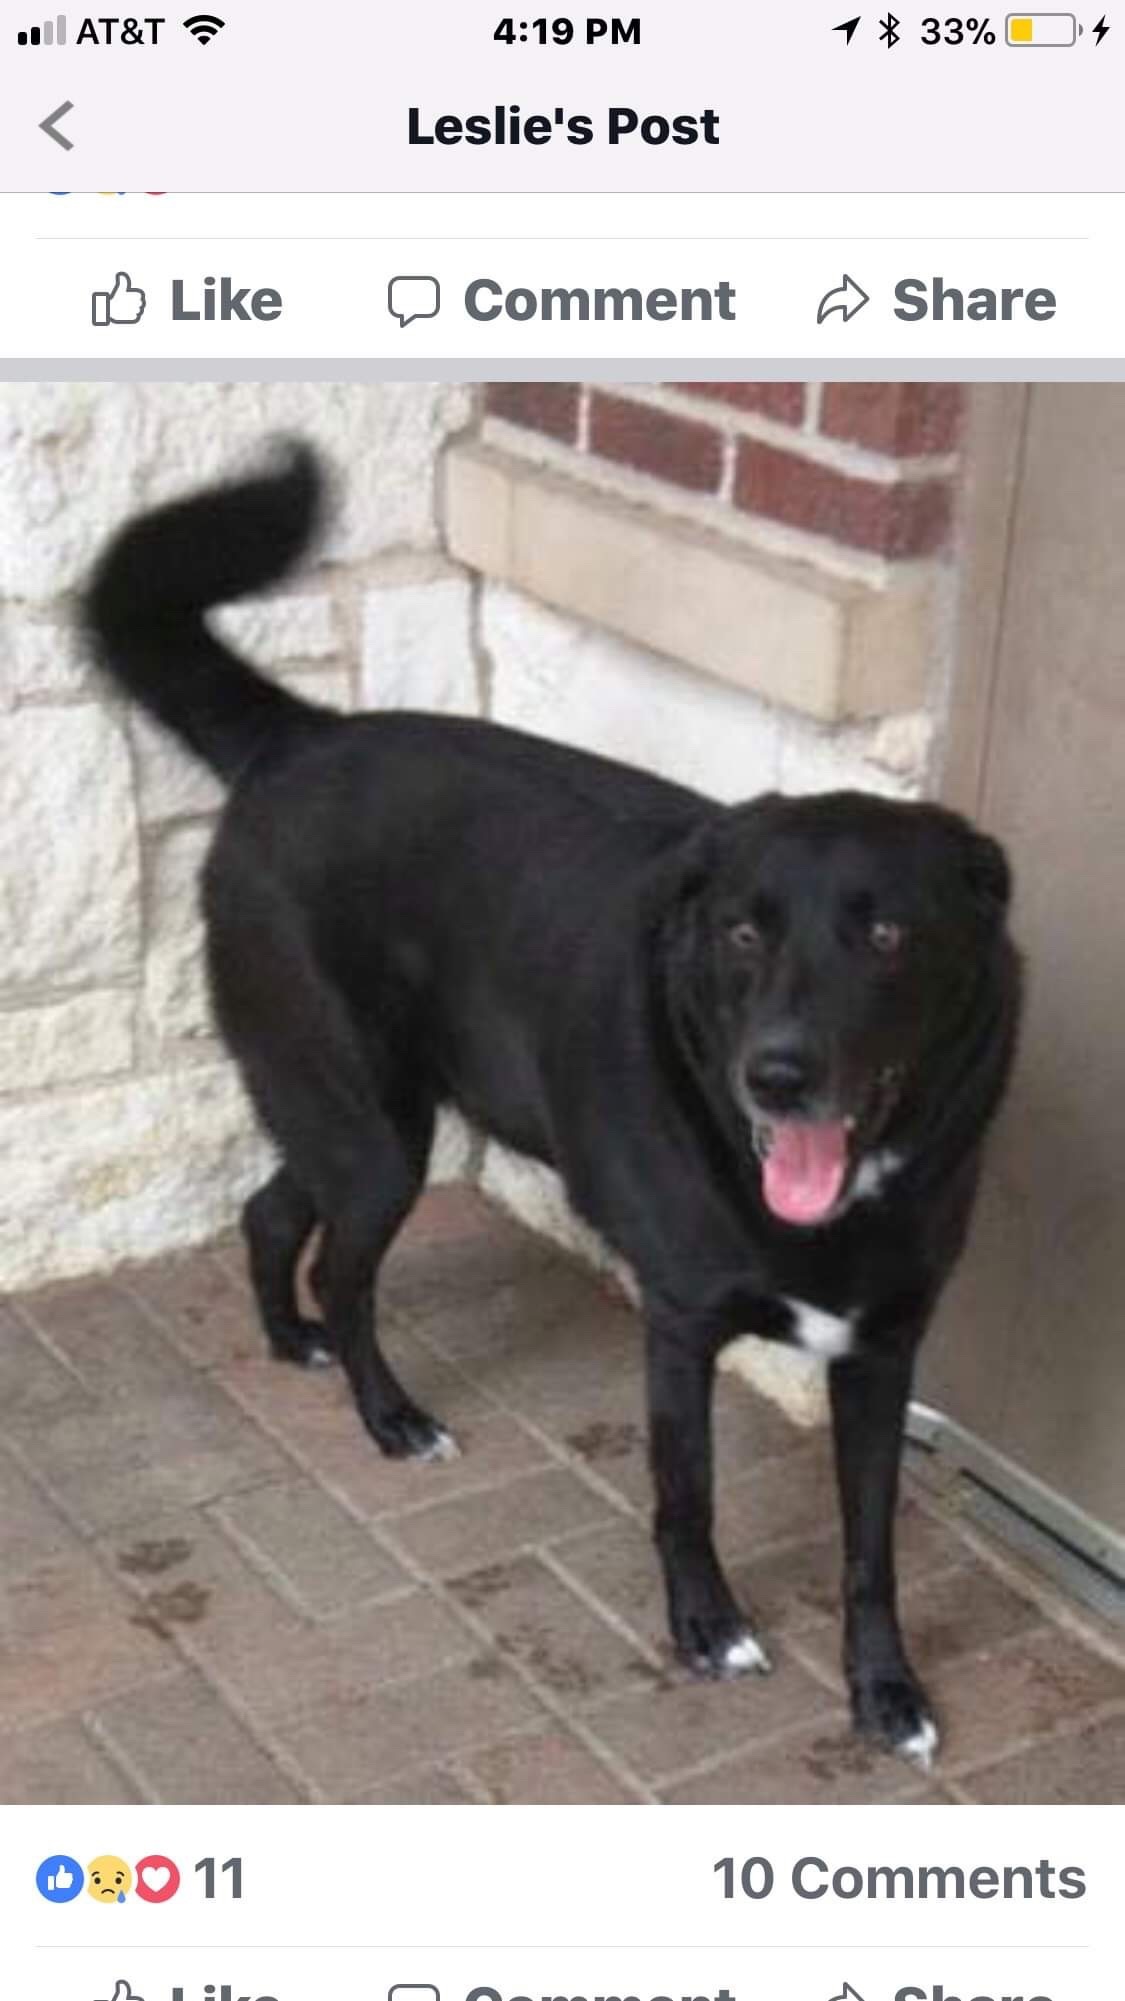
[145, 604]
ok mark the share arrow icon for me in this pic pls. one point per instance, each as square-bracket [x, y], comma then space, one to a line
[847, 28]
[847, 298]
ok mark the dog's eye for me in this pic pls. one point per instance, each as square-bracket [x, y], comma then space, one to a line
[886, 938]
[744, 936]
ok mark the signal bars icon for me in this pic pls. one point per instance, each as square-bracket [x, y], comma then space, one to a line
[204, 27]
[52, 34]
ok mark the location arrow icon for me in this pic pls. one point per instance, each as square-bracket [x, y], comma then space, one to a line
[848, 28]
[49, 125]
[847, 298]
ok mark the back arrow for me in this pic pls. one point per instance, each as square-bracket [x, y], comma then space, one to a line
[847, 28]
[848, 298]
[49, 124]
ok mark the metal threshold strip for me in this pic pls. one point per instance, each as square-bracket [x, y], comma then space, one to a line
[1084, 1556]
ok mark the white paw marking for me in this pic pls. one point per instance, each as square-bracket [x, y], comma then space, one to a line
[444, 1447]
[826, 1334]
[920, 1749]
[745, 1656]
[873, 1172]
[319, 1358]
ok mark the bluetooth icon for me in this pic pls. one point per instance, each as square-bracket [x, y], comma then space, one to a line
[888, 30]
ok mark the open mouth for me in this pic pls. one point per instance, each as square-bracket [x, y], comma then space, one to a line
[805, 1165]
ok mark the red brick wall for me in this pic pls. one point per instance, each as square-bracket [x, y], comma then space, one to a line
[866, 465]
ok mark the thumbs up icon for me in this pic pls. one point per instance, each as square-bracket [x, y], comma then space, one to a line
[60, 1879]
[123, 1992]
[122, 307]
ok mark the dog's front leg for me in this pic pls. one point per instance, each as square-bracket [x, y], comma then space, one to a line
[869, 1395]
[710, 1633]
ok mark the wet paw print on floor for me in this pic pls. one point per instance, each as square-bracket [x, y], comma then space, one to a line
[598, 1442]
[843, 1757]
[486, 1667]
[479, 1587]
[183, 1605]
[152, 1558]
[564, 1674]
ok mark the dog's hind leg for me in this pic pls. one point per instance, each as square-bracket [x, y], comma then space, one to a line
[361, 1223]
[364, 1166]
[353, 1115]
[277, 1223]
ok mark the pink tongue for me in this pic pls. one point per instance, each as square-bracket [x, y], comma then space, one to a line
[804, 1170]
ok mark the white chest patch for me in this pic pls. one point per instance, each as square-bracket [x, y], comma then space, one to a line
[824, 1334]
[873, 1173]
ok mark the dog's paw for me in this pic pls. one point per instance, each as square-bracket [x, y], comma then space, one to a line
[303, 1342]
[894, 1710]
[721, 1648]
[409, 1433]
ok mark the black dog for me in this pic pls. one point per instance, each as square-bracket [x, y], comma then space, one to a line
[761, 1043]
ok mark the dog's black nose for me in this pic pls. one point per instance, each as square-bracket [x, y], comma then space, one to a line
[782, 1073]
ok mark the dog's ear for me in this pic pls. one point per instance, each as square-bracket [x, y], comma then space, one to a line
[988, 873]
[695, 860]
[977, 862]
[680, 935]
[699, 856]
[760, 813]
[678, 902]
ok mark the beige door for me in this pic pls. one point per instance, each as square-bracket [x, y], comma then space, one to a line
[1029, 1352]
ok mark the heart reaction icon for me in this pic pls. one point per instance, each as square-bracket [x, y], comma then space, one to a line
[157, 1879]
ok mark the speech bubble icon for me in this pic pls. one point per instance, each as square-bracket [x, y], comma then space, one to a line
[413, 298]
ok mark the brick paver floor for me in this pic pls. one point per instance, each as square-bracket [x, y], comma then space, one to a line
[215, 1589]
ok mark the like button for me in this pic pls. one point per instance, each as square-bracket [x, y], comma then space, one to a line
[60, 1879]
[120, 308]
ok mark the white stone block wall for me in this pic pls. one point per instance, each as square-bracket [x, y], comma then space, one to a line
[123, 1129]
[568, 680]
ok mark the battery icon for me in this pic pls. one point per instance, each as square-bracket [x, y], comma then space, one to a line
[1042, 31]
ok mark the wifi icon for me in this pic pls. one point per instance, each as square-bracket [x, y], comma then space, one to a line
[204, 27]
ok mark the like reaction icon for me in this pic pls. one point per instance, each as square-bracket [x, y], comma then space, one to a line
[122, 307]
[59, 1879]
